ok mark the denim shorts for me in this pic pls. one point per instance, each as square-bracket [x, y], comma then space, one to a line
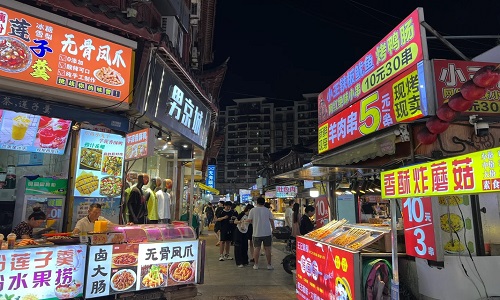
[267, 240]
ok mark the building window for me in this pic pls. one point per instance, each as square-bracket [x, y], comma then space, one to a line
[194, 8]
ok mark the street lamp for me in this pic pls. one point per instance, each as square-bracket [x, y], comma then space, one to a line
[313, 192]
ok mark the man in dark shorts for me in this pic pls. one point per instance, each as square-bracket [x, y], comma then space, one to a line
[225, 232]
[217, 223]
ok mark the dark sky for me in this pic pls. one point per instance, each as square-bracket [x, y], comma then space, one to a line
[282, 49]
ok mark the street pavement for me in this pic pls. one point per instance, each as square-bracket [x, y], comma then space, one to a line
[225, 281]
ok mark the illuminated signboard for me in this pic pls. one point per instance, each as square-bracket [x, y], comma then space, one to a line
[139, 144]
[472, 173]
[325, 272]
[400, 49]
[402, 99]
[32, 133]
[43, 273]
[449, 75]
[175, 106]
[115, 269]
[54, 56]
[211, 174]
[286, 191]
[99, 173]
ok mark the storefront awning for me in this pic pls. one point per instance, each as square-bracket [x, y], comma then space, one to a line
[338, 163]
[207, 188]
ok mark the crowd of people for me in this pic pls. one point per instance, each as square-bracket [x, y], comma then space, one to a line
[251, 228]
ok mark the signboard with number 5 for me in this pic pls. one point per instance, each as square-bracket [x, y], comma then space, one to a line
[420, 228]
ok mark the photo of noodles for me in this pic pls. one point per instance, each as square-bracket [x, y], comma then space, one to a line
[452, 220]
[109, 76]
[123, 280]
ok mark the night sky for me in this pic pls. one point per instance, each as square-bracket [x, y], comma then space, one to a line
[281, 49]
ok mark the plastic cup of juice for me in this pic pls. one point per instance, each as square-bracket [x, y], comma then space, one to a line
[20, 125]
[46, 136]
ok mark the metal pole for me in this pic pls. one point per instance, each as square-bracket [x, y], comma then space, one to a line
[394, 240]
[444, 41]
[191, 193]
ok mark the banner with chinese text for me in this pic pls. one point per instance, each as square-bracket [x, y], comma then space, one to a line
[403, 99]
[139, 144]
[115, 269]
[473, 173]
[400, 49]
[286, 191]
[325, 272]
[44, 53]
[449, 75]
[43, 273]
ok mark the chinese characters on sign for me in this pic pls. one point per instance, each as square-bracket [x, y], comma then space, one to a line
[324, 272]
[62, 58]
[400, 100]
[286, 191]
[473, 173]
[419, 228]
[48, 270]
[139, 144]
[449, 75]
[398, 50]
[210, 176]
[115, 269]
[183, 110]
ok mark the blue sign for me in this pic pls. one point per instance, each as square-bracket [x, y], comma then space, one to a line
[211, 171]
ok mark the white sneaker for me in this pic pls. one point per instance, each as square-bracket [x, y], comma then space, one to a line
[228, 257]
[221, 258]
[240, 266]
[270, 267]
[255, 267]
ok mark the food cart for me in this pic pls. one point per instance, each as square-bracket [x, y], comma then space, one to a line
[450, 263]
[131, 259]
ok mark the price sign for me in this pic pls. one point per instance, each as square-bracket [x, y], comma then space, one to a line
[322, 211]
[419, 228]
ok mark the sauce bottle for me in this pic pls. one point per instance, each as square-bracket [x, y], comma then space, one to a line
[11, 240]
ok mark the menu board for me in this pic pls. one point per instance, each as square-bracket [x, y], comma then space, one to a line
[44, 53]
[115, 269]
[139, 144]
[99, 167]
[43, 273]
[32, 133]
[325, 272]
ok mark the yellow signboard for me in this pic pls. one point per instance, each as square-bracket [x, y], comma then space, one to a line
[208, 188]
[472, 173]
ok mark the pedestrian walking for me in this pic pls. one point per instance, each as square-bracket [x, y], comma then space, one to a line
[241, 238]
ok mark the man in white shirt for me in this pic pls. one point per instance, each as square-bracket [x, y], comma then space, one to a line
[289, 215]
[263, 226]
[86, 224]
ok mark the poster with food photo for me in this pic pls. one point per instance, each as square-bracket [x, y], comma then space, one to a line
[123, 268]
[100, 164]
[18, 130]
[456, 219]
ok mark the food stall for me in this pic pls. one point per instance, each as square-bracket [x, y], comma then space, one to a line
[331, 259]
[449, 205]
[39, 270]
[133, 259]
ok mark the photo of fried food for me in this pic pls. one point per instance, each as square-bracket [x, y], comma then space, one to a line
[90, 158]
[123, 280]
[124, 259]
[153, 276]
[112, 165]
[109, 76]
[86, 183]
[454, 246]
[452, 220]
[182, 271]
[450, 200]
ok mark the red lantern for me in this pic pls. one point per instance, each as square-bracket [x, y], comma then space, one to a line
[486, 77]
[458, 103]
[426, 137]
[447, 114]
[472, 92]
[436, 125]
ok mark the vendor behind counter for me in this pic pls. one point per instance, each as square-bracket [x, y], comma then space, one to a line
[24, 230]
